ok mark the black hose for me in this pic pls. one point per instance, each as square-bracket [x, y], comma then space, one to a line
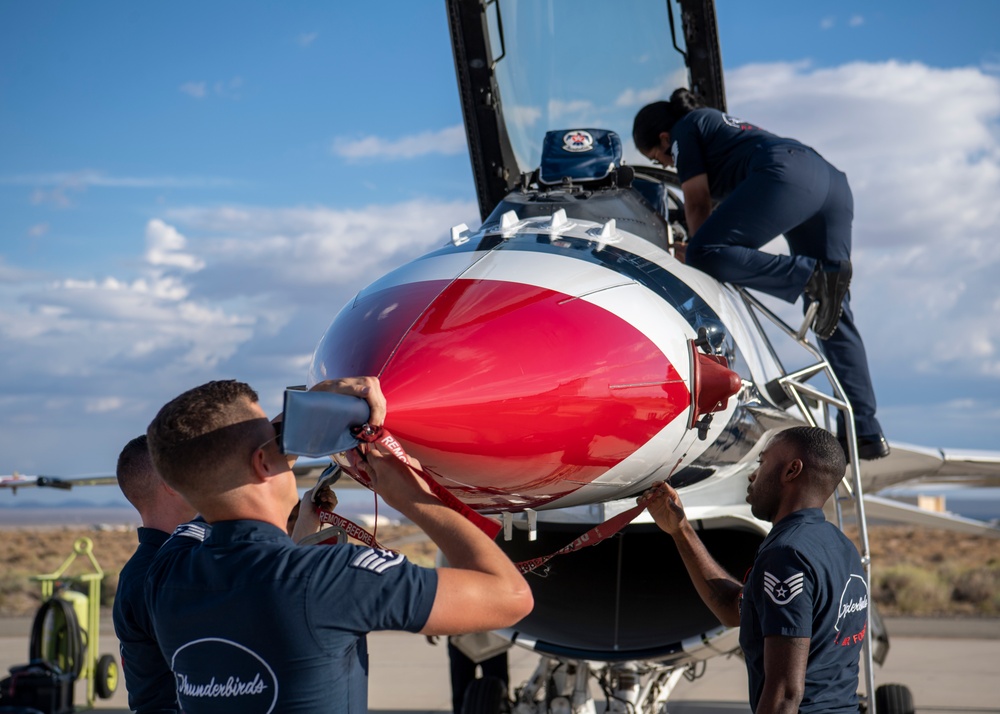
[73, 635]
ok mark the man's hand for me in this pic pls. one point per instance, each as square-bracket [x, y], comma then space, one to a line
[366, 388]
[325, 499]
[306, 512]
[664, 505]
[394, 481]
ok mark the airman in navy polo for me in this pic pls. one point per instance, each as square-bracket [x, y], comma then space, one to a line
[803, 609]
[808, 581]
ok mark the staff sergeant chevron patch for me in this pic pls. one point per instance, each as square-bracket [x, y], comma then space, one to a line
[376, 560]
[783, 592]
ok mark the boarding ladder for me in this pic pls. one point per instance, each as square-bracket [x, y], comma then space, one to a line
[795, 385]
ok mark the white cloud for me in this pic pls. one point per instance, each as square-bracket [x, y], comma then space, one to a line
[164, 246]
[58, 197]
[570, 108]
[69, 181]
[246, 291]
[971, 422]
[523, 115]
[921, 148]
[82, 328]
[213, 296]
[38, 230]
[198, 90]
[856, 21]
[228, 89]
[448, 141]
[637, 97]
[118, 346]
[103, 405]
[293, 250]
[306, 38]
[12, 274]
[827, 23]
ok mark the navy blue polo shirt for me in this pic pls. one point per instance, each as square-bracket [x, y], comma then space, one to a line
[706, 141]
[249, 622]
[148, 679]
[807, 581]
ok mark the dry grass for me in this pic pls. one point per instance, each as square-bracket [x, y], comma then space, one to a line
[28, 552]
[916, 571]
[924, 572]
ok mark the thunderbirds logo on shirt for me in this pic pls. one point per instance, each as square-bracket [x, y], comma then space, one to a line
[232, 676]
[783, 592]
[852, 612]
[737, 123]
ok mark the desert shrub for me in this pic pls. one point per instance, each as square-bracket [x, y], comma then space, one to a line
[909, 590]
[17, 595]
[979, 587]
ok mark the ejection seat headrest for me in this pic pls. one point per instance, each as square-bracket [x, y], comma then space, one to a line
[582, 155]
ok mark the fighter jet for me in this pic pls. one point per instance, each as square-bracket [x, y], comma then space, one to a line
[552, 363]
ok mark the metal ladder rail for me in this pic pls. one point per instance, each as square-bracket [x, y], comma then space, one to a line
[795, 386]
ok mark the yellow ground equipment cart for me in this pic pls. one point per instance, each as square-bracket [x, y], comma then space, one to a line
[66, 630]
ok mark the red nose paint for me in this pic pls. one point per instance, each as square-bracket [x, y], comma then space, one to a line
[511, 395]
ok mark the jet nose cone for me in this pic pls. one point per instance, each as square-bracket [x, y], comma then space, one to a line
[511, 395]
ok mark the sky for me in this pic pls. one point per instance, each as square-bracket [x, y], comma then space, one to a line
[192, 190]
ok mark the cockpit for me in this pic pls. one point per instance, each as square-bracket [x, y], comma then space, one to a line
[582, 172]
[525, 70]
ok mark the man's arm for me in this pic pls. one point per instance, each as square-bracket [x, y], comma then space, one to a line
[717, 588]
[785, 661]
[481, 590]
[697, 202]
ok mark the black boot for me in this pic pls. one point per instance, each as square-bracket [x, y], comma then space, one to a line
[829, 288]
[870, 447]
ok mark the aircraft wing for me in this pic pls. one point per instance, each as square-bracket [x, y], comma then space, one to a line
[888, 509]
[911, 464]
[16, 481]
[306, 471]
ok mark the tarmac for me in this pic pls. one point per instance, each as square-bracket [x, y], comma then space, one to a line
[952, 666]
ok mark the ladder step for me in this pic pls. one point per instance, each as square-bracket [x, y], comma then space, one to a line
[808, 321]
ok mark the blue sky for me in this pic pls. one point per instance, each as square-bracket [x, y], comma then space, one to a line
[191, 190]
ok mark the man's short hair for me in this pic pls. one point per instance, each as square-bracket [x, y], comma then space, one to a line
[202, 441]
[136, 476]
[820, 452]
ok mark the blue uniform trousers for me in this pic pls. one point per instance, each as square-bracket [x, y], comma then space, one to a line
[791, 190]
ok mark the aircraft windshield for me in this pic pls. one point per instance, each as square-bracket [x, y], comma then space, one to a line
[567, 64]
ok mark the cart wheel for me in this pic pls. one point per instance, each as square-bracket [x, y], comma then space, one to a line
[893, 699]
[487, 695]
[106, 676]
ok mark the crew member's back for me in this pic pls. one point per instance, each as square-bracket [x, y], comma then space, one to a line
[272, 652]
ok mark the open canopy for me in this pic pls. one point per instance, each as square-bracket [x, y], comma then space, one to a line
[525, 68]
